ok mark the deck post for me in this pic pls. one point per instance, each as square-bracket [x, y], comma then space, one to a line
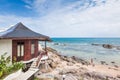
[45, 47]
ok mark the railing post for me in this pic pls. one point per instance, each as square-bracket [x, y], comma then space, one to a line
[45, 47]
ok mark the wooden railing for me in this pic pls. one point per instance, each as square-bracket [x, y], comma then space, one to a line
[40, 56]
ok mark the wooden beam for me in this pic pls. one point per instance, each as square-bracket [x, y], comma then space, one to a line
[45, 46]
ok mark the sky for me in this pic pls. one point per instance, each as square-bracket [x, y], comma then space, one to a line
[63, 18]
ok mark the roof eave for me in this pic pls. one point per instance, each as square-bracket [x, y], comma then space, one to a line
[18, 38]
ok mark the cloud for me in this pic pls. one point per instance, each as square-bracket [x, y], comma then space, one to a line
[76, 19]
[27, 6]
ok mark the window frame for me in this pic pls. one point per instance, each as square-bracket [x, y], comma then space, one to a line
[32, 47]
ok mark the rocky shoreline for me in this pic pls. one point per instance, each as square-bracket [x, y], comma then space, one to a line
[75, 69]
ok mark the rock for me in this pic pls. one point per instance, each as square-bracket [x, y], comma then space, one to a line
[53, 65]
[51, 50]
[109, 68]
[116, 66]
[118, 76]
[49, 61]
[80, 60]
[113, 62]
[106, 64]
[63, 44]
[83, 69]
[118, 47]
[56, 43]
[63, 58]
[57, 78]
[97, 76]
[69, 59]
[102, 62]
[70, 64]
[57, 65]
[96, 44]
[73, 71]
[108, 46]
[67, 71]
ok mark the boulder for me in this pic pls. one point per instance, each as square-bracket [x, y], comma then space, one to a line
[98, 76]
[118, 47]
[70, 64]
[116, 66]
[108, 46]
[69, 59]
[51, 50]
[80, 60]
[67, 71]
[112, 62]
[53, 65]
[118, 76]
[96, 44]
[102, 62]
[56, 43]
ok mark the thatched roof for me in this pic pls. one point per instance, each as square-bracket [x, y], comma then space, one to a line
[19, 31]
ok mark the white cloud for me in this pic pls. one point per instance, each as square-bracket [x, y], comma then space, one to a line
[67, 21]
[28, 6]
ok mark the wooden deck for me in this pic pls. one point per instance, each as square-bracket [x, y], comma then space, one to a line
[31, 71]
[34, 68]
[26, 75]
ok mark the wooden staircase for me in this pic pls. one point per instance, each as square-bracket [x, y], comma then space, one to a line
[31, 71]
[35, 63]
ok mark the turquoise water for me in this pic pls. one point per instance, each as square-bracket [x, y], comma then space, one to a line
[81, 47]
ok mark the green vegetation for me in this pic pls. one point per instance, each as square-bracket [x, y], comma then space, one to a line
[5, 68]
[35, 78]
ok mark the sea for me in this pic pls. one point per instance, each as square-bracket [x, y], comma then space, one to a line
[83, 48]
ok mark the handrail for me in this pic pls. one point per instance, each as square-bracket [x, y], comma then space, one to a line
[40, 56]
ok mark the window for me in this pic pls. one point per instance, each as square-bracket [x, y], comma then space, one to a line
[32, 47]
[20, 49]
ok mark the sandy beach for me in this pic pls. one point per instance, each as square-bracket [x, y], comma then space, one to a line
[74, 68]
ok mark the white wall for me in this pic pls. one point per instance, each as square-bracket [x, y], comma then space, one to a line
[6, 46]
